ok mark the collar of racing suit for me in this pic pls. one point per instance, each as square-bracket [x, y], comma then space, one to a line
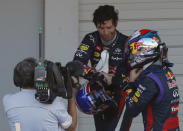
[158, 62]
[109, 42]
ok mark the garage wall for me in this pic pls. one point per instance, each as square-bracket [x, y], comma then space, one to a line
[164, 16]
[19, 24]
[61, 29]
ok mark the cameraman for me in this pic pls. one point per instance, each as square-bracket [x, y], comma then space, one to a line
[25, 113]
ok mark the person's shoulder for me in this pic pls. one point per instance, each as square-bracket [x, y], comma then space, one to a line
[91, 38]
[151, 75]
[94, 33]
[7, 97]
[146, 83]
[122, 35]
[155, 69]
[7, 100]
[59, 103]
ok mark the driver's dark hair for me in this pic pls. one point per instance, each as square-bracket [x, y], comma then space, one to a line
[103, 13]
[24, 73]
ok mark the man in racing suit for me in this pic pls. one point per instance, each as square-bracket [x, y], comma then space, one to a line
[158, 104]
[153, 89]
[104, 49]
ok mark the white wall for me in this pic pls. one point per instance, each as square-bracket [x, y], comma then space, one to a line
[19, 24]
[61, 29]
[162, 15]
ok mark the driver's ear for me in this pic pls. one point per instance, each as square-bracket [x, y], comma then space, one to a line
[161, 53]
[116, 23]
[164, 52]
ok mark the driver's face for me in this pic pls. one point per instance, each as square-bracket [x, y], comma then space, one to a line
[106, 30]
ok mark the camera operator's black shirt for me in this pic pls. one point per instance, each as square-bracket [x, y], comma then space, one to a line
[90, 50]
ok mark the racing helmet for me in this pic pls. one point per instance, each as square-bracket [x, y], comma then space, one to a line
[93, 99]
[143, 47]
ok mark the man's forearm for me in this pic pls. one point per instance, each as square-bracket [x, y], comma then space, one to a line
[73, 112]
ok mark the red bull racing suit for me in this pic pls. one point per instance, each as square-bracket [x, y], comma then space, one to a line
[156, 96]
[90, 50]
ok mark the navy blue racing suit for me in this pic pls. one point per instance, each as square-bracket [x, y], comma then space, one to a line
[158, 102]
[90, 50]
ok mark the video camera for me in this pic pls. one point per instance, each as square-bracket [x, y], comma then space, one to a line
[52, 79]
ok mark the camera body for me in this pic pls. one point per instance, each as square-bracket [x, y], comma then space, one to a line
[52, 79]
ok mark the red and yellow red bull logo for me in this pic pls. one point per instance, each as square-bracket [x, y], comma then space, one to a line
[171, 81]
[86, 69]
[170, 76]
[135, 46]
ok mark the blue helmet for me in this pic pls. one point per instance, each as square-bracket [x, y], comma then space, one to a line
[93, 99]
[143, 47]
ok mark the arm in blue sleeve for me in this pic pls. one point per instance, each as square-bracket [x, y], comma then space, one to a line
[84, 50]
[84, 53]
[138, 100]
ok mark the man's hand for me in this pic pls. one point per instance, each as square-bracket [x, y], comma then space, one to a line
[108, 77]
[134, 74]
[75, 80]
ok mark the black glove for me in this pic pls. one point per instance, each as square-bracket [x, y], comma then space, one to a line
[76, 68]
